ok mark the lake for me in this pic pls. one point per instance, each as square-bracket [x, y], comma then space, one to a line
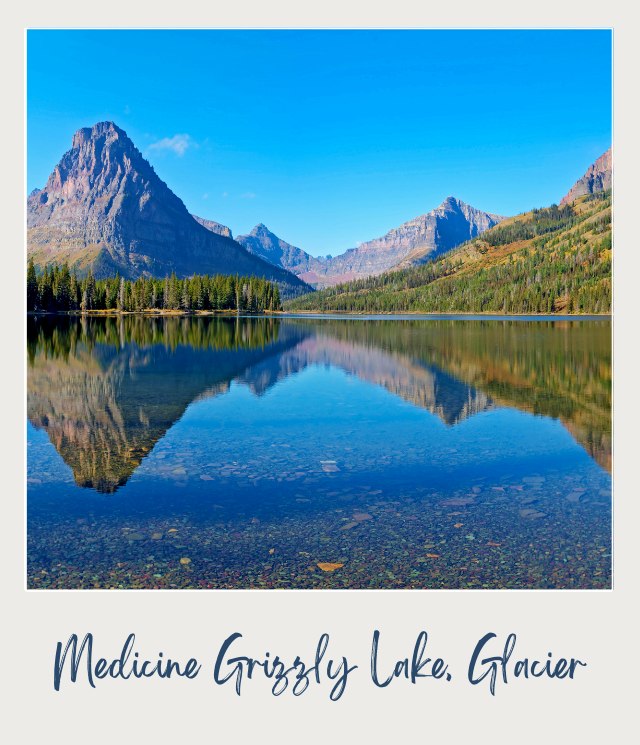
[318, 452]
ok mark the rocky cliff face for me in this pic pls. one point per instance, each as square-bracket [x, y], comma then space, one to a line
[104, 208]
[416, 241]
[448, 226]
[420, 239]
[597, 178]
[213, 226]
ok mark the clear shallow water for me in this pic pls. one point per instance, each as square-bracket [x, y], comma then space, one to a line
[246, 452]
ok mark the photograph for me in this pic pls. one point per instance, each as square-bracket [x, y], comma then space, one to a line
[319, 309]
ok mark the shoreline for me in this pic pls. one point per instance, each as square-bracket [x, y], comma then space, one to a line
[317, 313]
[151, 313]
[487, 313]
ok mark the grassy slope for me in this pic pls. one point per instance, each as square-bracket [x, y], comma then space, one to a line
[544, 261]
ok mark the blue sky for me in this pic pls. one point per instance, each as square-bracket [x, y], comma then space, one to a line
[331, 138]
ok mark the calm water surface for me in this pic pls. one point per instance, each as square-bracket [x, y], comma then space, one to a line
[263, 452]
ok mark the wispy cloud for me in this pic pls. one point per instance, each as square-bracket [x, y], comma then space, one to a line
[178, 144]
[248, 195]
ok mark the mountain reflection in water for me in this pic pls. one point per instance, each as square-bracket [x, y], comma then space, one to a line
[107, 389]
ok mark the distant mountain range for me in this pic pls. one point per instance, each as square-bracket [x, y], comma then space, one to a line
[104, 208]
[417, 240]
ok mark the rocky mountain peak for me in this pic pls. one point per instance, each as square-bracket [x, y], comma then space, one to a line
[262, 242]
[108, 130]
[451, 223]
[104, 208]
[450, 202]
[597, 178]
[260, 229]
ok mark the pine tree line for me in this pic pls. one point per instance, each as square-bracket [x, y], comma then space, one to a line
[529, 282]
[58, 289]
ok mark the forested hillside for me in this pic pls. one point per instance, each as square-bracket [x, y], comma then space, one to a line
[556, 259]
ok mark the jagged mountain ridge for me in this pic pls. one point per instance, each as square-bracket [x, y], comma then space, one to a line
[427, 236]
[104, 208]
[597, 178]
[418, 240]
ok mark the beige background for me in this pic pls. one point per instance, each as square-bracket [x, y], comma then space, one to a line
[599, 706]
